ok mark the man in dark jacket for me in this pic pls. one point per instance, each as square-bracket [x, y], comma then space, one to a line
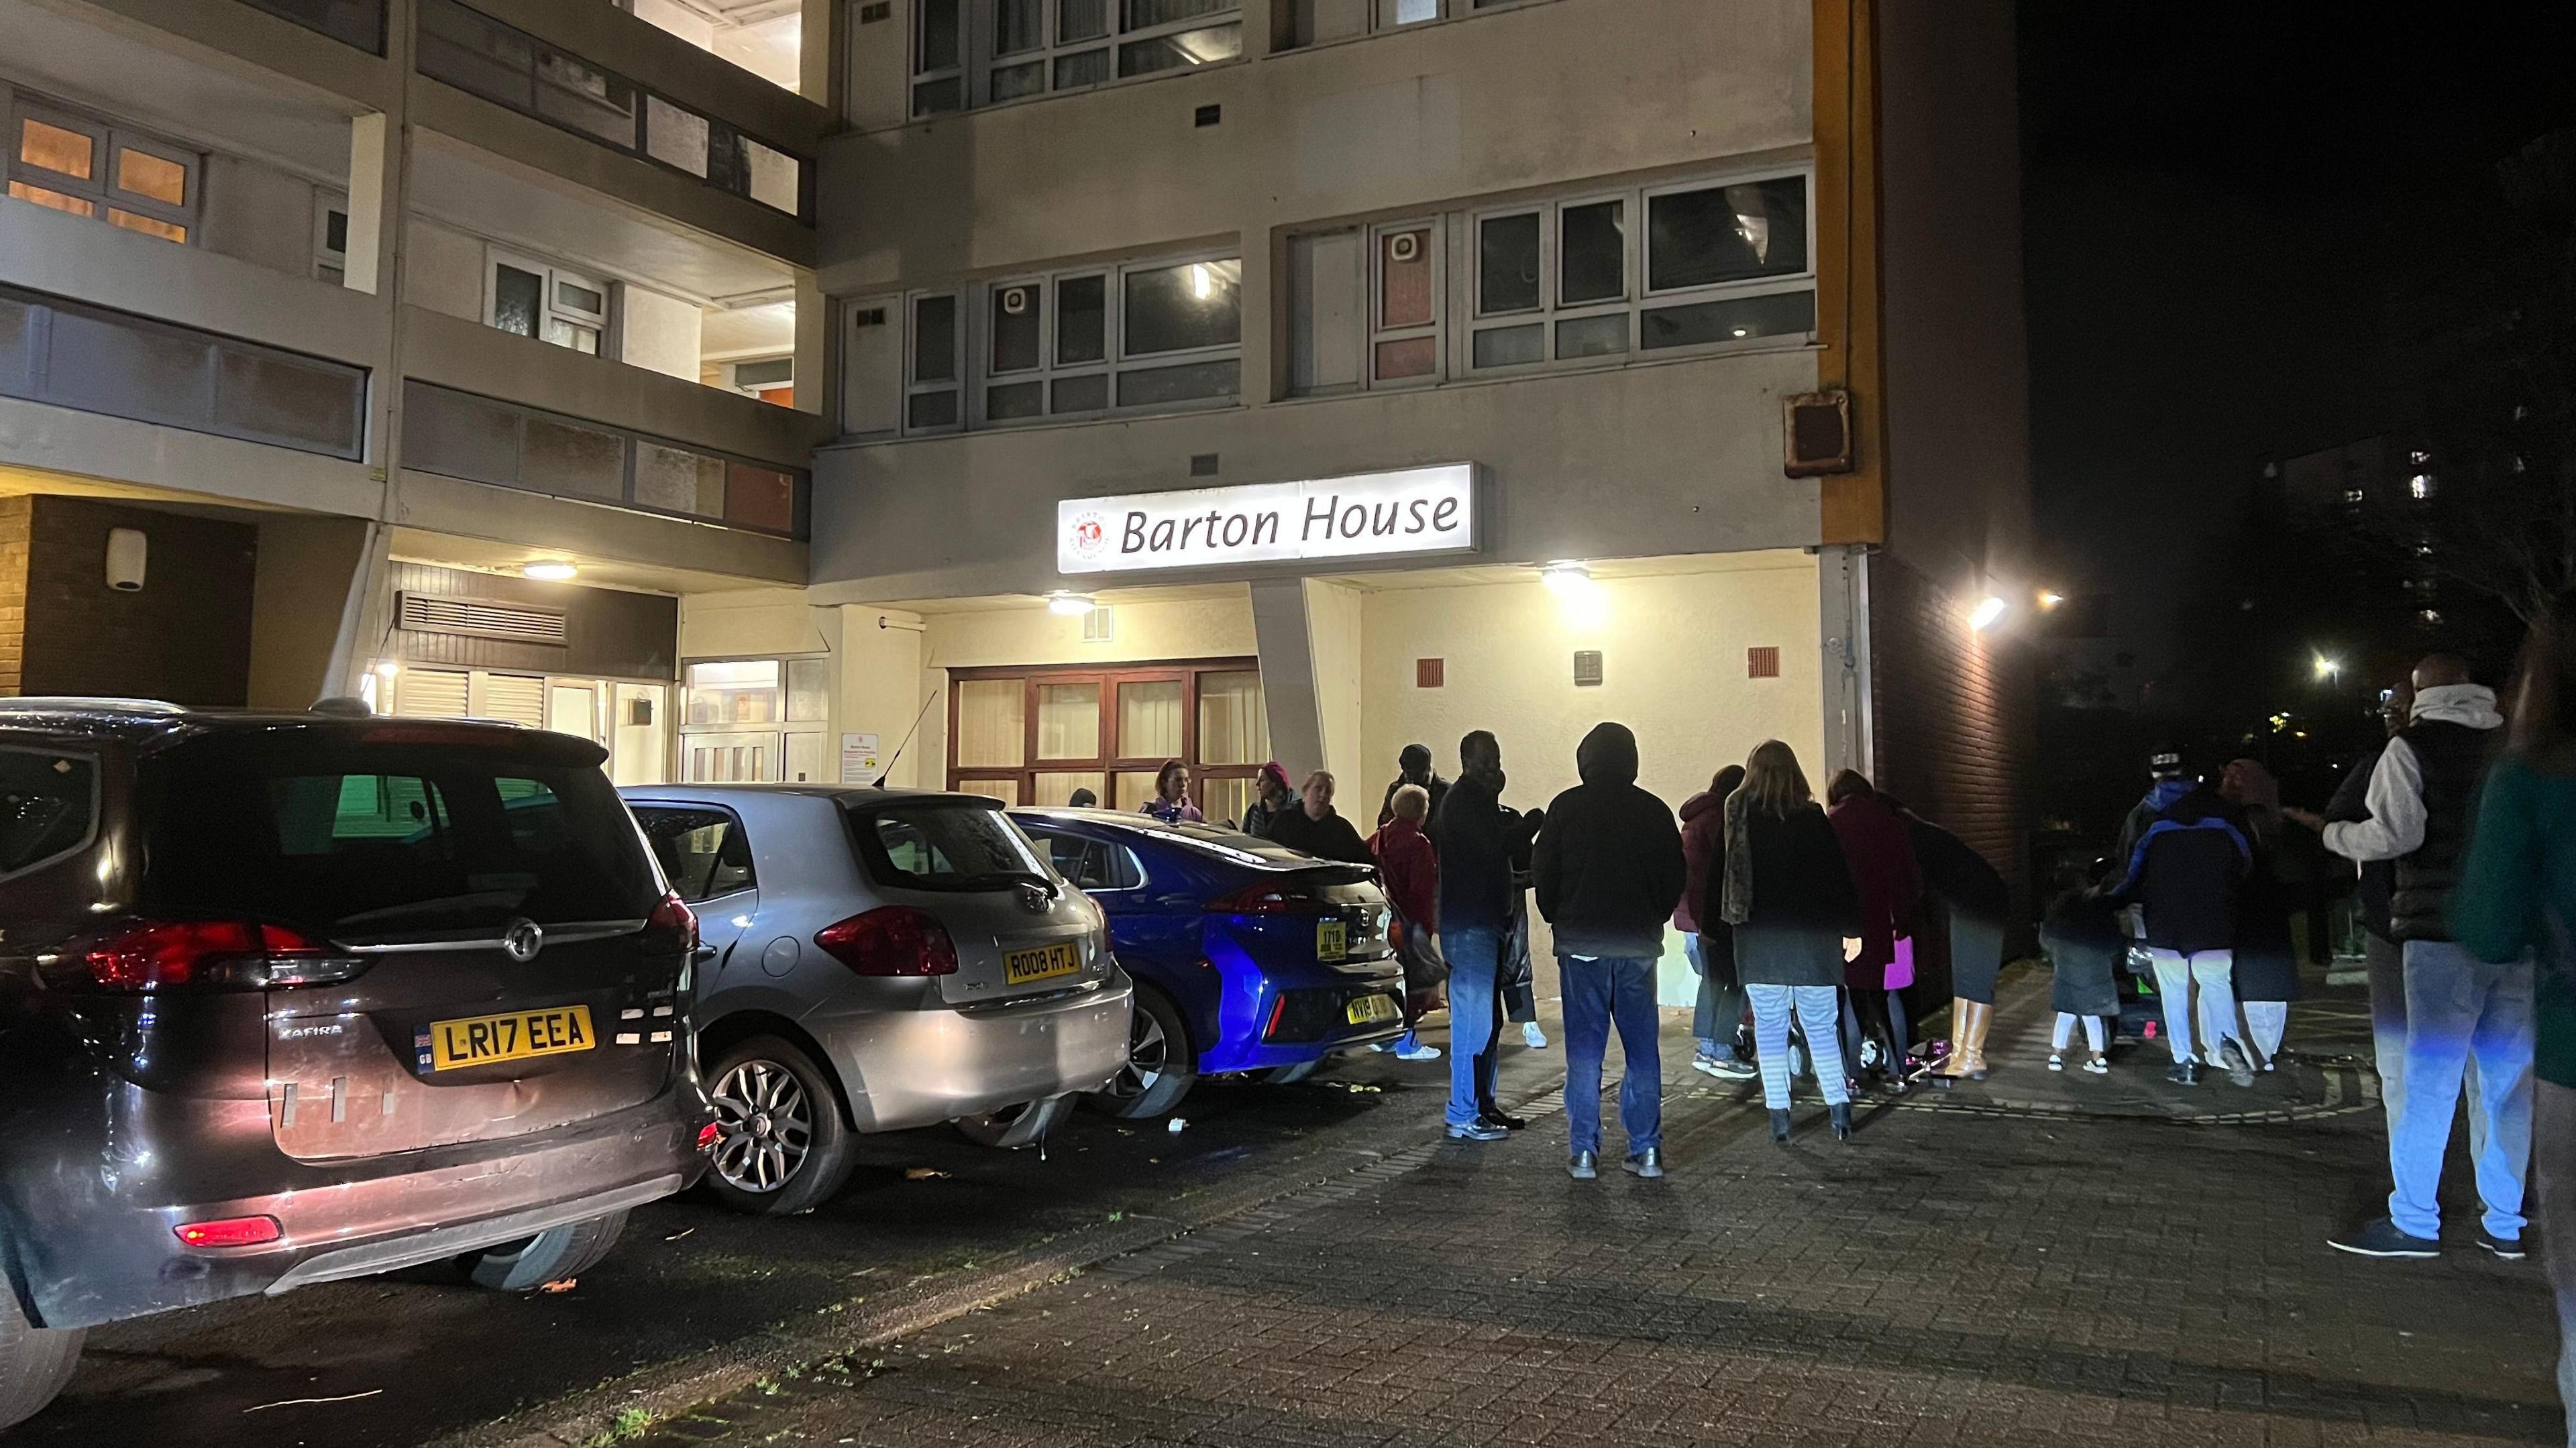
[2458, 1007]
[1610, 869]
[2383, 961]
[2184, 866]
[1413, 766]
[1476, 837]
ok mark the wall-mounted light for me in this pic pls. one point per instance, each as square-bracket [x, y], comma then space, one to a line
[127, 549]
[387, 669]
[1567, 577]
[1987, 612]
[2049, 599]
[553, 570]
[1070, 605]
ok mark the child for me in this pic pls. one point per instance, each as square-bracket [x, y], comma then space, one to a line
[2083, 940]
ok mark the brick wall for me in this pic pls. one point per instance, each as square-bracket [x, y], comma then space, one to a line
[184, 637]
[15, 516]
[1954, 727]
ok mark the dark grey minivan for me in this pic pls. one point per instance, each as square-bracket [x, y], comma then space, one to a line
[287, 999]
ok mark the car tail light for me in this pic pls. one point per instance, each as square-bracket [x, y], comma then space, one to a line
[891, 940]
[151, 955]
[1278, 1013]
[230, 1232]
[1270, 900]
[672, 925]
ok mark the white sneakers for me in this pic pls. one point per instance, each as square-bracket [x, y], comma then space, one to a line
[1536, 1038]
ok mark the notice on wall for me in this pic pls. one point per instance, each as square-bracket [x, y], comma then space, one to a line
[859, 761]
[1414, 511]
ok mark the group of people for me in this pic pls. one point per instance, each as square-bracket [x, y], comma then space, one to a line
[1790, 912]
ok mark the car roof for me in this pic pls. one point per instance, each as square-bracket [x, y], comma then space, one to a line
[1215, 841]
[853, 795]
[152, 721]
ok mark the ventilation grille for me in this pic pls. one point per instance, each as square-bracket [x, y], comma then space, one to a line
[1098, 626]
[482, 618]
[1587, 668]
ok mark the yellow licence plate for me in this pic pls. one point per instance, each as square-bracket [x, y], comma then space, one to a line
[1044, 963]
[1369, 1010]
[518, 1036]
[1332, 939]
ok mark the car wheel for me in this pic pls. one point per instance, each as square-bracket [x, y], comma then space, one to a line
[35, 1362]
[1291, 1075]
[1014, 1127]
[782, 1147]
[1160, 1067]
[550, 1256]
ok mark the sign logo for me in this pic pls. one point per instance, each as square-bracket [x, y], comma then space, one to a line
[1414, 511]
[522, 940]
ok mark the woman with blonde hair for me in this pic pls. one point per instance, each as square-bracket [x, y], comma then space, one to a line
[1786, 889]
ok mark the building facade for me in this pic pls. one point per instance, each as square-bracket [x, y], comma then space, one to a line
[1220, 380]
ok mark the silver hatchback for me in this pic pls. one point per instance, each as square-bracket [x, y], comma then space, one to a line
[876, 960]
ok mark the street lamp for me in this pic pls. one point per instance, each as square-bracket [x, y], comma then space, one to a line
[1986, 613]
[2328, 668]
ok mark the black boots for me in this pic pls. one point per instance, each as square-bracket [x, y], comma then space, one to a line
[1840, 1111]
[1780, 1127]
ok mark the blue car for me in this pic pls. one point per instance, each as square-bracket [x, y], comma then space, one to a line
[1247, 956]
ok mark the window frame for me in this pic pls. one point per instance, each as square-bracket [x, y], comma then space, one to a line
[108, 138]
[1379, 330]
[1111, 762]
[977, 58]
[551, 308]
[734, 839]
[1637, 298]
[956, 382]
[329, 265]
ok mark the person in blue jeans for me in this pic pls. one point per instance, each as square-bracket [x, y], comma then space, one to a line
[2458, 1008]
[1609, 870]
[1476, 836]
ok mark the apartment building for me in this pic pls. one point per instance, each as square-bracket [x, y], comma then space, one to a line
[432, 351]
[1220, 380]
[1229, 380]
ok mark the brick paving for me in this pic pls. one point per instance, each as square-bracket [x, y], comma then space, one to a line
[1963, 1272]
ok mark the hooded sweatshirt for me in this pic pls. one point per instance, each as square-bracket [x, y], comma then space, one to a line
[1883, 869]
[1703, 844]
[2420, 801]
[1609, 862]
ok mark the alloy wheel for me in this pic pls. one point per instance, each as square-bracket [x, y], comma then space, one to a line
[767, 1124]
[1149, 1054]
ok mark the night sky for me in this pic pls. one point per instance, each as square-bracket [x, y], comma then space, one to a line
[2219, 200]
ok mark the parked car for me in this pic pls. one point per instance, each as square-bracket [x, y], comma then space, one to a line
[286, 999]
[1248, 956]
[883, 959]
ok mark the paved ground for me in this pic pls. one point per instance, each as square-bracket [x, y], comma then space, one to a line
[2035, 1259]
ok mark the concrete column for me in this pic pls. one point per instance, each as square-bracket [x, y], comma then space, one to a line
[1308, 634]
[1842, 601]
[309, 610]
[379, 199]
[882, 692]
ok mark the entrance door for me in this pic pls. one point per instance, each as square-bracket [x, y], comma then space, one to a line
[573, 709]
[1038, 735]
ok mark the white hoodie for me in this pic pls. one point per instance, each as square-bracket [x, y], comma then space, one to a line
[2396, 799]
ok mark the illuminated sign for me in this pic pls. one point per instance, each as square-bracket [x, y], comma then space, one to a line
[1373, 515]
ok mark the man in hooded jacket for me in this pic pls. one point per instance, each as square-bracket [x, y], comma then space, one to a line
[2421, 800]
[1610, 869]
[1477, 836]
[2187, 854]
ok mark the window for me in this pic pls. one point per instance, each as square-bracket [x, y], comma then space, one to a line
[1034, 736]
[703, 852]
[933, 366]
[476, 53]
[550, 303]
[1368, 307]
[945, 845]
[1090, 864]
[330, 237]
[86, 167]
[755, 721]
[969, 53]
[1579, 279]
[48, 806]
[351, 22]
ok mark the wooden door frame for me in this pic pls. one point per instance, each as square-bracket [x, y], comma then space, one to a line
[1108, 765]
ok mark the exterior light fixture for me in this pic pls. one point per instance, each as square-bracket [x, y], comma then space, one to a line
[552, 570]
[2049, 599]
[1567, 577]
[1070, 605]
[2327, 668]
[1987, 611]
[388, 669]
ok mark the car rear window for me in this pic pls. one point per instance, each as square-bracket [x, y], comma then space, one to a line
[944, 845]
[365, 840]
[48, 805]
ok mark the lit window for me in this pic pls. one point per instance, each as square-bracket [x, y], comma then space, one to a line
[2352, 495]
[969, 53]
[74, 164]
[550, 303]
[2421, 485]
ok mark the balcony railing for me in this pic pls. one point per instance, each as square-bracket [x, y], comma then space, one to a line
[475, 53]
[351, 22]
[95, 360]
[459, 435]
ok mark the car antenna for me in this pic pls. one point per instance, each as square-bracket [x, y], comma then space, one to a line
[897, 757]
